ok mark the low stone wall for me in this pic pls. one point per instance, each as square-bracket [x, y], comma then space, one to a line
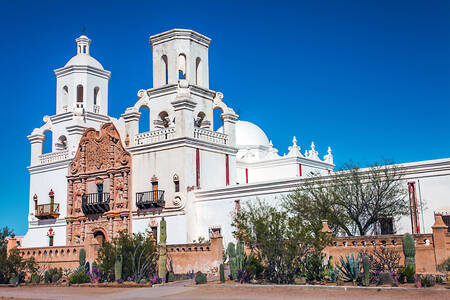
[182, 258]
[431, 249]
[204, 257]
[66, 257]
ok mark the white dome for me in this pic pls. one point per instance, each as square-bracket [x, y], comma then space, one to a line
[249, 134]
[83, 59]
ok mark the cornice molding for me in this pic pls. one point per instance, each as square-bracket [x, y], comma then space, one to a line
[432, 168]
[179, 34]
[64, 71]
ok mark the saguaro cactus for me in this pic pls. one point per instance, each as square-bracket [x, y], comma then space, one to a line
[409, 250]
[82, 257]
[162, 262]
[236, 258]
[222, 273]
[366, 266]
[118, 267]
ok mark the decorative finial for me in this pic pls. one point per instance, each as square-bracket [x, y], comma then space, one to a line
[313, 154]
[329, 157]
[83, 30]
[294, 150]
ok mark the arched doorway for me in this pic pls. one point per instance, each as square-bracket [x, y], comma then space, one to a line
[99, 236]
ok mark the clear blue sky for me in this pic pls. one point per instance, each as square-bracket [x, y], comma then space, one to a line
[369, 78]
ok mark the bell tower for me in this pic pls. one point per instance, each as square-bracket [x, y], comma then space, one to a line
[180, 54]
[82, 84]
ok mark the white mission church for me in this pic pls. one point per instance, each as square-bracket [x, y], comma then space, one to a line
[105, 175]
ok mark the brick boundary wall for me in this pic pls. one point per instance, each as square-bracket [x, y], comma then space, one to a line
[182, 258]
[432, 249]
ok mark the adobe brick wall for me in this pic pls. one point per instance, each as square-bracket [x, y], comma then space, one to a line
[65, 257]
[204, 257]
[431, 249]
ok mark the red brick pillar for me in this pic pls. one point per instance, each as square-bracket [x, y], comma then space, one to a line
[439, 240]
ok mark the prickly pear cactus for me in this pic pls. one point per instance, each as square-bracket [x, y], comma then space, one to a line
[82, 257]
[409, 250]
[366, 266]
[162, 262]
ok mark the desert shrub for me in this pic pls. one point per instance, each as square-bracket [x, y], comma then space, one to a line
[283, 238]
[406, 274]
[79, 276]
[200, 278]
[445, 266]
[155, 280]
[35, 278]
[428, 280]
[253, 267]
[94, 275]
[385, 278]
[381, 260]
[138, 252]
[243, 276]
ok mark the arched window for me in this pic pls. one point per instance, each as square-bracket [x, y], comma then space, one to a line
[48, 143]
[198, 71]
[144, 119]
[217, 115]
[79, 95]
[65, 97]
[166, 69]
[96, 91]
[181, 66]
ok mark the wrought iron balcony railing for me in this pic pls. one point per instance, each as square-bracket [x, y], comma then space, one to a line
[47, 211]
[150, 199]
[95, 203]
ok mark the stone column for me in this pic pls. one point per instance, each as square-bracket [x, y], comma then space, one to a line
[229, 127]
[37, 142]
[131, 118]
[184, 111]
[439, 240]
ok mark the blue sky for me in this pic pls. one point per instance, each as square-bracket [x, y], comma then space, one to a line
[369, 78]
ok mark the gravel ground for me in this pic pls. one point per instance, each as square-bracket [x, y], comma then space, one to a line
[186, 290]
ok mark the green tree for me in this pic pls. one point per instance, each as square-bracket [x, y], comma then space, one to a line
[279, 239]
[353, 200]
[138, 253]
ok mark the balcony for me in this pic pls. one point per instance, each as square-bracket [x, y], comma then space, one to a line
[95, 203]
[151, 199]
[47, 211]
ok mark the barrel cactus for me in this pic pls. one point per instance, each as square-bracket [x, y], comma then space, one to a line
[409, 250]
[162, 262]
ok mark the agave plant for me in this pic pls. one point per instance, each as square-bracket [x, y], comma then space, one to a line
[350, 267]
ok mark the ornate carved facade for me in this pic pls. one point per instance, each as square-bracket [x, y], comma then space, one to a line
[98, 203]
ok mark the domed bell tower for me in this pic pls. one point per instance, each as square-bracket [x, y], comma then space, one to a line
[82, 84]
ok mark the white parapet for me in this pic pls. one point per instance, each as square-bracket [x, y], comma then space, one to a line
[53, 157]
[154, 136]
[210, 136]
